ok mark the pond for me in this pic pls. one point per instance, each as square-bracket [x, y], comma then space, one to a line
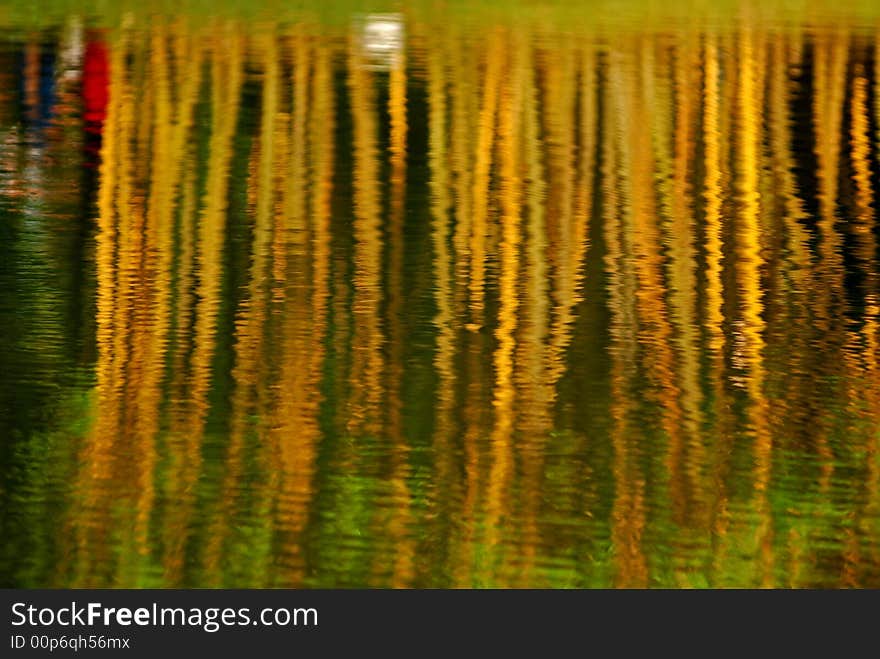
[423, 297]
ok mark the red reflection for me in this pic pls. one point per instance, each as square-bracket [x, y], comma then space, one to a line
[96, 73]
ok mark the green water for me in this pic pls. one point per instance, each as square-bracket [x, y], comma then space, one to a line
[530, 297]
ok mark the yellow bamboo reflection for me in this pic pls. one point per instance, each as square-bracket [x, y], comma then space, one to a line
[480, 193]
[586, 163]
[871, 348]
[532, 358]
[714, 245]
[443, 151]
[788, 283]
[639, 271]
[368, 365]
[655, 313]
[860, 351]
[183, 471]
[150, 328]
[250, 316]
[830, 54]
[471, 249]
[567, 219]
[748, 265]
[294, 427]
[321, 149]
[171, 127]
[797, 240]
[466, 120]
[641, 166]
[793, 246]
[401, 519]
[504, 389]
[712, 192]
[830, 59]
[294, 229]
[683, 281]
[463, 96]
[128, 344]
[124, 351]
[863, 225]
[444, 285]
[97, 451]
[226, 80]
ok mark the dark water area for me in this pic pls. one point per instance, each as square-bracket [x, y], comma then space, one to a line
[406, 303]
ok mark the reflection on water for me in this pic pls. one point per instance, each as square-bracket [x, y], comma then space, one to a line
[403, 303]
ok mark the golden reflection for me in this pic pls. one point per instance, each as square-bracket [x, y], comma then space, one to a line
[625, 213]
[531, 358]
[504, 392]
[714, 313]
[303, 255]
[749, 262]
[96, 451]
[366, 415]
[687, 456]
[130, 361]
[829, 61]
[462, 89]
[861, 349]
[399, 524]
[481, 169]
[444, 440]
[830, 54]
[566, 233]
[863, 226]
[183, 470]
[249, 321]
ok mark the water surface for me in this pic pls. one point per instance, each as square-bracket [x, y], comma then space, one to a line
[407, 300]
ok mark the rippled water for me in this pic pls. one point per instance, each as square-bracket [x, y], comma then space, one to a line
[403, 300]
